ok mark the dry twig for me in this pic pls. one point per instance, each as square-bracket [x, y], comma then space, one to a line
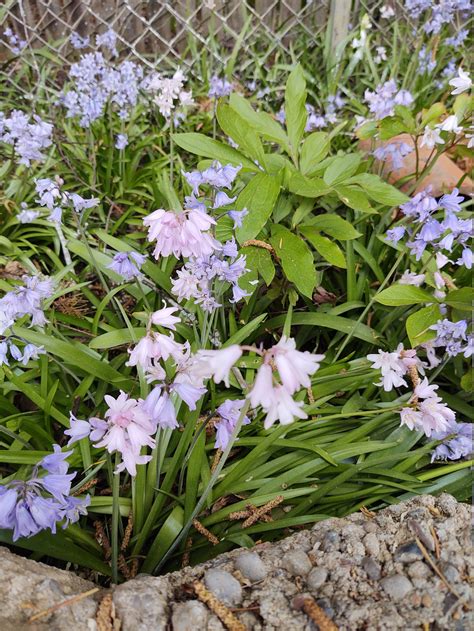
[314, 611]
[217, 607]
[64, 603]
[205, 532]
[105, 618]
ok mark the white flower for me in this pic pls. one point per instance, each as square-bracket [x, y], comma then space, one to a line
[436, 415]
[381, 54]
[391, 367]
[164, 317]
[461, 83]
[215, 364]
[283, 408]
[431, 137]
[386, 12]
[154, 346]
[411, 418]
[424, 390]
[450, 124]
[470, 141]
[294, 367]
[262, 391]
[411, 278]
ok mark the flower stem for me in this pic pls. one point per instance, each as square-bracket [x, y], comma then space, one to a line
[209, 487]
[115, 520]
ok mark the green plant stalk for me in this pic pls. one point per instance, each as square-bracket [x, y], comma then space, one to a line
[115, 519]
[208, 488]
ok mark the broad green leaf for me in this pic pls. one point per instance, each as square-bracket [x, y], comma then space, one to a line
[306, 187]
[434, 113]
[391, 126]
[262, 122]
[467, 381]
[119, 337]
[462, 106]
[398, 295]
[418, 324]
[295, 110]
[461, 299]
[258, 197]
[341, 168]
[314, 149]
[260, 260]
[201, 145]
[240, 131]
[355, 198]
[244, 333]
[335, 226]
[325, 247]
[379, 190]
[296, 259]
[163, 540]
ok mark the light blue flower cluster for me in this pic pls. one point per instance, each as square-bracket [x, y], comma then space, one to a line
[441, 13]
[42, 501]
[127, 264]
[393, 153]
[458, 442]
[219, 87]
[26, 299]
[442, 236]
[15, 44]
[453, 337]
[95, 82]
[386, 96]
[28, 139]
[56, 200]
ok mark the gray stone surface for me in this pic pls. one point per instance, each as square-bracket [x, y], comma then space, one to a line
[362, 582]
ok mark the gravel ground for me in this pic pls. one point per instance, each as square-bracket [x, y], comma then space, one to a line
[407, 567]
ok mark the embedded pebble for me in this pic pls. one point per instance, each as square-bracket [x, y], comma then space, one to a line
[450, 572]
[224, 586]
[408, 552]
[372, 545]
[251, 566]
[371, 568]
[316, 577]
[297, 563]
[331, 541]
[418, 570]
[189, 616]
[396, 586]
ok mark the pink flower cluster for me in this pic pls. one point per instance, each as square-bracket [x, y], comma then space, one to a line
[294, 369]
[183, 233]
[428, 413]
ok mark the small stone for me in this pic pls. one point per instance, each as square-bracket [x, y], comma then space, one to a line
[450, 571]
[316, 577]
[325, 605]
[423, 535]
[297, 563]
[396, 586]
[426, 600]
[372, 545]
[408, 552]
[224, 586]
[331, 541]
[189, 616]
[418, 570]
[251, 566]
[371, 568]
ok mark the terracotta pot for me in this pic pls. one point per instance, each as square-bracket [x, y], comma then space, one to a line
[443, 177]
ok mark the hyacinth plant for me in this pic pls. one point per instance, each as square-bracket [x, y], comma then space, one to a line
[200, 324]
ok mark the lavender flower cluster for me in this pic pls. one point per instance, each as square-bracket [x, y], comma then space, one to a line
[317, 119]
[426, 412]
[441, 13]
[25, 300]
[14, 42]
[442, 236]
[386, 96]
[95, 83]
[56, 200]
[453, 337]
[129, 424]
[393, 153]
[28, 139]
[43, 500]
